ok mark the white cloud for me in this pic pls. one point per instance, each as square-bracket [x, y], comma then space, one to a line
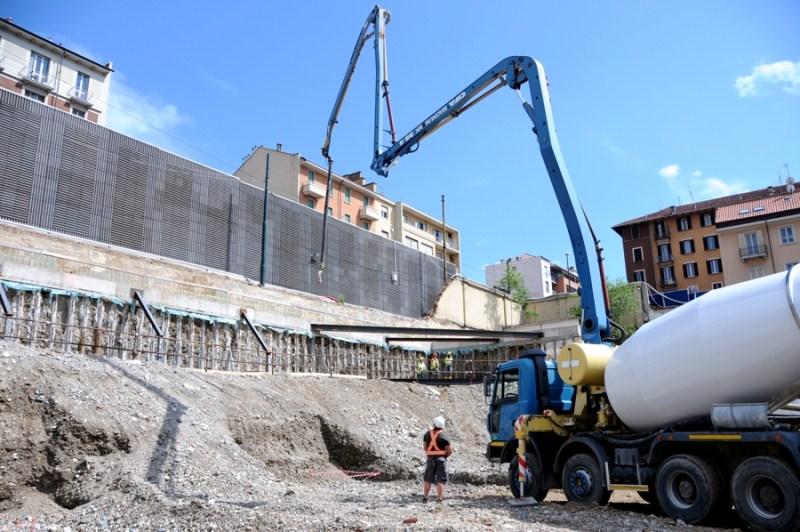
[697, 173]
[140, 116]
[713, 187]
[670, 171]
[785, 74]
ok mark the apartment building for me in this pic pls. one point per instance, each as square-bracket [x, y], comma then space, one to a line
[541, 277]
[680, 247]
[352, 199]
[760, 237]
[47, 72]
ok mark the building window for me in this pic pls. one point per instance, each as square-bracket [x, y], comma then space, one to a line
[687, 247]
[34, 96]
[714, 266]
[716, 285]
[684, 223]
[667, 275]
[638, 254]
[438, 235]
[635, 231]
[311, 176]
[690, 270]
[664, 252]
[79, 112]
[426, 249]
[420, 225]
[40, 68]
[756, 271]
[330, 211]
[348, 194]
[82, 86]
[412, 242]
[707, 219]
[311, 203]
[347, 218]
[639, 276]
[366, 201]
[365, 225]
[384, 212]
[661, 230]
[710, 242]
[751, 243]
[787, 234]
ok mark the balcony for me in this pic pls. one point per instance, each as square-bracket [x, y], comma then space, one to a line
[369, 213]
[668, 283]
[36, 79]
[753, 252]
[661, 233]
[315, 190]
[79, 97]
[665, 258]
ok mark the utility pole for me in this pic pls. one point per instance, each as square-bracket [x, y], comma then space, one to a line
[444, 246]
[264, 227]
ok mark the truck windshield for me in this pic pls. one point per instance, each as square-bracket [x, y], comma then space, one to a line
[507, 389]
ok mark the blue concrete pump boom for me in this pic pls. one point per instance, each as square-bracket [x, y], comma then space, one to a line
[512, 72]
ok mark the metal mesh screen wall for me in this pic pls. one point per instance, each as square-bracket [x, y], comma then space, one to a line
[65, 174]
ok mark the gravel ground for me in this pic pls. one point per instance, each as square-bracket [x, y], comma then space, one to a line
[90, 443]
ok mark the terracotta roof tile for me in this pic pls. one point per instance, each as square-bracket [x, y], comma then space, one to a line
[707, 205]
[746, 210]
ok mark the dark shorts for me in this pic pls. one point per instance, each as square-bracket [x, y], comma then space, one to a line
[436, 470]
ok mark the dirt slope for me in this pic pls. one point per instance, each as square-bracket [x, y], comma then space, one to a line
[97, 443]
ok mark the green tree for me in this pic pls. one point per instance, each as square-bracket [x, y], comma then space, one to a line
[624, 301]
[513, 284]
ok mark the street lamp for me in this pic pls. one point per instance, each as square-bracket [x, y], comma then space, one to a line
[567, 287]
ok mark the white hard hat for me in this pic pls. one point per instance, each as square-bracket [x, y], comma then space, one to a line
[438, 422]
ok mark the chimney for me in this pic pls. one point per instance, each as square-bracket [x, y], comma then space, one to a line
[372, 185]
[279, 147]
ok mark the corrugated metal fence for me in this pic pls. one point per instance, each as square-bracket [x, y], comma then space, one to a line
[65, 174]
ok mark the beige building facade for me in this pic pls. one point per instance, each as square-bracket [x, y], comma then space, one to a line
[353, 199]
[760, 237]
[42, 70]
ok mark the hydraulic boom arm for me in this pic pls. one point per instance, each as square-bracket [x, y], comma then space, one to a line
[514, 72]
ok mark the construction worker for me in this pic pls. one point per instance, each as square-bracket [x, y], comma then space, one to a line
[437, 448]
[421, 366]
[434, 365]
[448, 362]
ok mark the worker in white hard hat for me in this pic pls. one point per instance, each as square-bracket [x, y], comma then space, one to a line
[437, 448]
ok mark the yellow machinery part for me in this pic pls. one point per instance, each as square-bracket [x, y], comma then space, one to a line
[583, 364]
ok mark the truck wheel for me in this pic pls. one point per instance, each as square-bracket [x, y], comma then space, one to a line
[766, 493]
[582, 482]
[534, 480]
[688, 488]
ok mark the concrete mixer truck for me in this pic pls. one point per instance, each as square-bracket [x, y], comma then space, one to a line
[693, 411]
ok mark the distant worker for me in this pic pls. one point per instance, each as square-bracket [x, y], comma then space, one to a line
[434, 365]
[420, 366]
[437, 448]
[448, 362]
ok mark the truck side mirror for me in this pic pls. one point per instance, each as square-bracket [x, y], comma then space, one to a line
[488, 384]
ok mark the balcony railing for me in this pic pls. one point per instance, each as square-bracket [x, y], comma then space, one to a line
[668, 283]
[665, 258]
[752, 252]
[80, 97]
[37, 79]
[662, 233]
[315, 190]
[369, 213]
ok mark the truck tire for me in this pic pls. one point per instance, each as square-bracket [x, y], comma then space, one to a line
[688, 488]
[766, 493]
[534, 480]
[582, 481]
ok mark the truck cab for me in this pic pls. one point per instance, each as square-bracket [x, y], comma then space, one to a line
[527, 385]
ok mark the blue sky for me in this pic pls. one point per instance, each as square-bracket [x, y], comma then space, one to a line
[656, 103]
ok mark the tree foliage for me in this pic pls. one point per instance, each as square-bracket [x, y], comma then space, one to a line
[513, 283]
[624, 301]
